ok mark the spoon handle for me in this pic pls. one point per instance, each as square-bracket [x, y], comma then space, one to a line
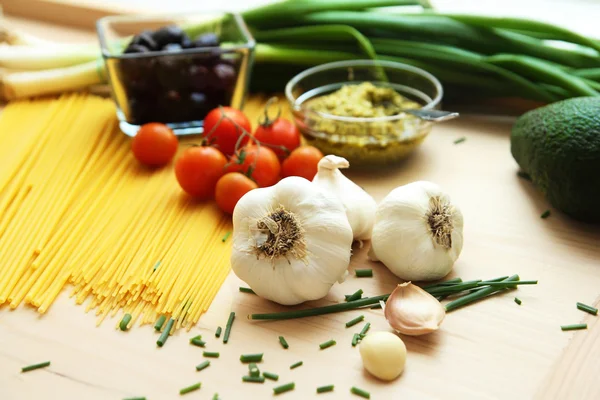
[433, 115]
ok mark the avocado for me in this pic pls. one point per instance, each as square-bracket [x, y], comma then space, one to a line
[558, 145]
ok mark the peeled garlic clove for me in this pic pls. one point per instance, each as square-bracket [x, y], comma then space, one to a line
[412, 311]
[383, 354]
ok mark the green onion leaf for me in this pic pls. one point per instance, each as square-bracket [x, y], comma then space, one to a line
[323, 389]
[255, 379]
[460, 140]
[190, 388]
[588, 309]
[376, 307]
[156, 265]
[160, 322]
[360, 392]
[197, 342]
[202, 365]
[124, 322]
[35, 366]
[355, 296]
[355, 339]
[165, 334]
[257, 357]
[218, 332]
[228, 327]
[573, 327]
[545, 214]
[478, 295]
[518, 300]
[283, 342]
[363, 273]
[271, 376]
[296, 364]
[355, 321]
[135, 398]
[226, 237]
[365, 329]
[327, 344]
[253, 370]
[284, 388]
[246, 290]
[211, 354]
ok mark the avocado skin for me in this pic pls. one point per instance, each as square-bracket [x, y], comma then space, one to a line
[559, 147]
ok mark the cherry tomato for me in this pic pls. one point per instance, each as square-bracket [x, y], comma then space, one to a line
[154, 145]
[259, 163]
[230, 189]
[226, 134]
[280, 133]
[198, 169]
[302, 162]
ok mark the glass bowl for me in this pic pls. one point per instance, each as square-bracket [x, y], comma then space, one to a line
[176, 86]
[363, 141]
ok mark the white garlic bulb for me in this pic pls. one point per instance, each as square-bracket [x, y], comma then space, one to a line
[291, 241]
[418, 232]
[360, 206]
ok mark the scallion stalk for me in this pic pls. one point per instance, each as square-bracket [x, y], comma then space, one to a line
[355, 296]
[360, 392]
[228, 327]
[284, 388]
[296, 365]
[355, 321]
[202, 365]
[327, 344]
[323, 389]
[124, 322]
[587, 309]
[160, 322]
[573, 327]
[271, 376]
[35, 366]
[363, 273]
[246, 358]
[283, 342]
[191, 388]
[165, 334]
[255, 379]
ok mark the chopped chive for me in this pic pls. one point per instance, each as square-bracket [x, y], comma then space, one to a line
[355, 339]
[355, 296]
[257, 357]
[444, 283]
[246, 290]
[197, 337]
[523, 175]
[573, 327]
[475, 296]
[460, 140]
[361, 336]
[355, 321]
[363, 273]
[296, 364]
[218, 332]
[156, 265]
[135, 398]
[586, 308]
[228, 327]
[215, 396]
[124, 322]
[376, 307]
[545, 214]
[327, 344]
[271, 376]
[160, 322]
[255, 379]
[518, 300]
[441, 298]
[202, 365]
[283, 342]
[284, 388]
[190, 388]
[365, 329]
[197, 342]
[165, 334]
[35, 366]
[360, 392]
[323, 389]
[253, 370]
[211, 354]
[226, 237]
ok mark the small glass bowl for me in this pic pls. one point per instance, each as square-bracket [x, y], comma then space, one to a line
[364, 142]
[179, 87]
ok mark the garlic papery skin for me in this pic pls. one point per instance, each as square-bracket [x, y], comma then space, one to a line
[291, 241]
[418, 232]
[412, 311]
[359, 205]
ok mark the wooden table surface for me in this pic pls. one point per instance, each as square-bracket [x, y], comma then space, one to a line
[491, 350]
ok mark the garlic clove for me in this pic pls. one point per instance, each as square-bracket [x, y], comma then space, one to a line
[412, 311]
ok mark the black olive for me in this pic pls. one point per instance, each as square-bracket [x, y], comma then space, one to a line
[171, 72]
[168, 34]
[206, 40]
[136, 48]
[224, 76]
[145, 39]
[198, 77]
[172, 47]
[134, 69]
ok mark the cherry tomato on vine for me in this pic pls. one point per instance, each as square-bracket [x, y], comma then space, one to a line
[259, 163]
[225, 135]
[277, 134]
[230, 189]
[302, 162]
[198, 169]
[154, 145]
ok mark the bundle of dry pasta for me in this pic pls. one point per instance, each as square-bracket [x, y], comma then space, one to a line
[75, 207]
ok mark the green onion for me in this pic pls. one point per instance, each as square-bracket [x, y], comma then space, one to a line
[35, 366]
[271, 376]
[283, 342]
[545, 214]
[156, 265]
[296, 364]
[124, 322]
[190, 388]
[327, 344]
[246, 290]
[355, 296]
[284, 388]
[323, 389]
[202, 365]
[228, 327]
[160, 322]
[478, 295]
[218, 332]
[355, 321]
[165, 334]
[211, 354]
[506, 284]
[573, 327]
[444, 283]
[586, 308]
[253, 370]
[197, 342]
[355, 339]
[376, 306]
[460, 140]
[360, 392]
[215, 396]
[135, 398]
[255, 379]
[226, 237]
[257, 357]
[518, 300]
[363, 273]
[365, 329]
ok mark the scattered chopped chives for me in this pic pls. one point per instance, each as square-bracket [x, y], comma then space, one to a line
[211, 354]
[283, 342]
[573, 327]
[355, 321]
[586, 308]
[296, 364]
[165, 334]
[518, 300]
[323, 389]
[156, 265]
[255, 379]
[246, 290]
[355, 296]
[355, 339]
[190, 388]
[228, 327]
[472, 297]
[376, 306]
[124, 322]
[365, 329]
[257, 357]
[360, 392]
[523, 175]
[218, 332]
[327, 344]
[202, 365]
[160, 322]
[545, 214]
[363, 273]
[271, 376]
[198, 342]
[226, 237]
[284, 388]
[253, 370]
[460, 140]
[35, 366]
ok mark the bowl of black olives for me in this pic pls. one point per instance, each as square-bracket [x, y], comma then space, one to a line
[175, 69]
